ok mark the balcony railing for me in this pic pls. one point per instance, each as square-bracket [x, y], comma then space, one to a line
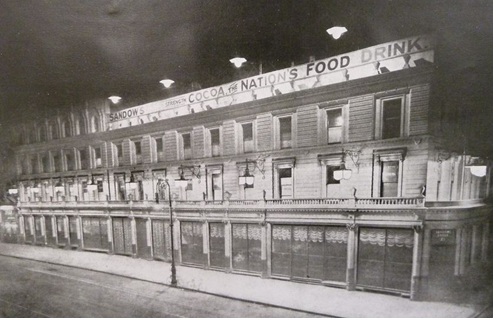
[348, 203]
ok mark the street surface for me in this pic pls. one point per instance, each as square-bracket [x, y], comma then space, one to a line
[35, 289]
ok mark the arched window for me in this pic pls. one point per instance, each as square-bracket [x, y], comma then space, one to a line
[42, 133]
[80, 128]
[95, 123]
[53, 131]
[67, 131]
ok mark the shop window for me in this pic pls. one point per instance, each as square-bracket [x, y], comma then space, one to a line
[285, 132]
[217, 245]
[334, 125]
[247, 247]
[247, 143]
[310, 252]
[186, 146]
[161, 238]
[385, 258]
[192, 244]
[215, 142]
[391, 118]
[95, 233]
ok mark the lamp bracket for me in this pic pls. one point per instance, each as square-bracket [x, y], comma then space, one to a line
[258, 164]
[194, 170]
[354, 155]
[443, 155]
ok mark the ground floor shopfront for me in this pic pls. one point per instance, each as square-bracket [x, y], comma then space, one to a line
[408, 252]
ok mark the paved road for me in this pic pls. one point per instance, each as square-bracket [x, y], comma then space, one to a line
[34, 289]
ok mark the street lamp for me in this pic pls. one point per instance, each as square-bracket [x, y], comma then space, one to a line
[342, 173]
[161, 185]
[238, 61]
[336, 32]
[167, 82]
[115, 99]
[246, 179]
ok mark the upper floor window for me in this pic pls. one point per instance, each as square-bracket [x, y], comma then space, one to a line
[69, 159]
[388, 172]
[95, 123]
[158, 141]
[97, 156]
[45, 163]
[80, 127]
[215, 142]
[119, 154]
[53, 131]
[247, 143]
[84, 162]
[391, 119]
[186, 143]
[56, 161]
[32, 136]
[42, 133]
[138, 151]
[283, 176]
[285, 132]
[34, 164]
[334, 125]
[67, 129]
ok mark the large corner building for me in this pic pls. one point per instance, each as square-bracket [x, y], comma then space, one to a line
[335, 172]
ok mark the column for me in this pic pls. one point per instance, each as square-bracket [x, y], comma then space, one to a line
[111, 245]
[462, 252]
[54, 228]
[268, 250]
[486, 236]
[416, 269]
[228, 246]
[475, 241]
[176, 240]
[351, 256]
[67, 232]
[149, 238]
[133, 227]
[32, 229]
[80, 237]
[205, 242]
[22, 231]
[43, 230]
[263, 249]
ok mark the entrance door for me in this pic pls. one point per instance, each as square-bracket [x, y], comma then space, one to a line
[122, 236]
[143, 250]
[161, 236]
[442, 261]
[385, 258]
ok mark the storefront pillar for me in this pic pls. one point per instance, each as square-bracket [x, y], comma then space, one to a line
[22, 231]
[80, 238]
[485, 245]
[416, 269]
[205, 242]
[43, 230]
[54, 229]
[149, 239]
[111, 244]
[462, 253]
[263, 250]
[268, 250]
[133, 231]
[228, 246]
[67, 232]
[176, 239]
[351, 257]
[32, 229]
[474, 244]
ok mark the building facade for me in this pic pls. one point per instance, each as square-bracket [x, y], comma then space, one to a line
[335, 173]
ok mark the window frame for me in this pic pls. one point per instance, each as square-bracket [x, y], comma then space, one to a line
[283, 163]
[183, 155]
[241, 136]
[278, 141]
[323, 121]
[210, 150]
[385, 155]
[380, 100]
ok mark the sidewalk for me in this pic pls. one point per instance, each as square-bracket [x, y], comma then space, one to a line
[310, 298]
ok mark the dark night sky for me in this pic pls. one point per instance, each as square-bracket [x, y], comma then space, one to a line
[55, 54]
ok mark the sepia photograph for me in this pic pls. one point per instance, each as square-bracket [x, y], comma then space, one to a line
[232, 158]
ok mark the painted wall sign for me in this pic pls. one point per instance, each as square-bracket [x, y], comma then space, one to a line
[370, 61]
[443, 237]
